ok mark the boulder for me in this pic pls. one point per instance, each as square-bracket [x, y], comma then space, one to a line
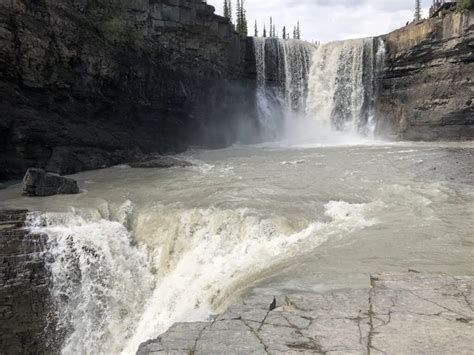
[38, 182]
[159, 161]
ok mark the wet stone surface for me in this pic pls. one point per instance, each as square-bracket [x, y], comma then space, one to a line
[402, 313]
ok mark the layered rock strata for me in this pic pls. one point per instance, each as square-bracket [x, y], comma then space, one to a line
[79, 91]
[427, 89]
[24, 287]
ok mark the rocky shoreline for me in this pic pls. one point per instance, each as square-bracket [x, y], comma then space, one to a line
[402, 313]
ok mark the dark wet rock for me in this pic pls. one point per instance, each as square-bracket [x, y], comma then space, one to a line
[37, 182]
[402, 313]
[157, 161]
[24, 287]
[77, 99]
[426, 89]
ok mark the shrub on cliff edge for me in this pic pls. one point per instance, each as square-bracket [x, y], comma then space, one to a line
[110, 18]
[466, 4]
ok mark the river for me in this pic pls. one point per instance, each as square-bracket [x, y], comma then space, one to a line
[138, 250]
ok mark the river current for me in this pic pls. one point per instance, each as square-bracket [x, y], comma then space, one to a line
[138, 250]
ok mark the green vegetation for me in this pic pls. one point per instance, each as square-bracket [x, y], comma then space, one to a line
[110, 18]
[242, 27]
[466, 4]
[417, 16]
[228, 9]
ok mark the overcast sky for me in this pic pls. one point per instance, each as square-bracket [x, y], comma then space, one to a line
[328, 20]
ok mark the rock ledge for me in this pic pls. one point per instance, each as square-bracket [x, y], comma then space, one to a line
[402, 313]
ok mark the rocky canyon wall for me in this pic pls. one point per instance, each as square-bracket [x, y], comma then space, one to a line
[427, 91]
[24, 292]
[84, 85]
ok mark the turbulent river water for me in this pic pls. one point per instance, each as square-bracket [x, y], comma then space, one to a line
[141, 249]
[315, 209]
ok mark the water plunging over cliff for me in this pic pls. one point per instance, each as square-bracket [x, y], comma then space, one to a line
[342, 83]
[282, 80]
[333, 85]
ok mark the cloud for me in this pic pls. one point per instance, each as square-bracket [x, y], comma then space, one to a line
[329, 20]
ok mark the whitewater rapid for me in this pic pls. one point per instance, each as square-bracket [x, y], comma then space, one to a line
[138, 250]
[111, 295]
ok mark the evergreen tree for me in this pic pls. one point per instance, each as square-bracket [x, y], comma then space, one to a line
[229, 5]
[242, 28]
[243, 16]
[274, 31]
[264, 31]
[255, 29]
[271, 27]
[298, 32]
[284, 32]
[417, 10]
[227, 13]
[295, 34]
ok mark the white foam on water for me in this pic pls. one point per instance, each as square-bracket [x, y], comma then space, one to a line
[99, 281]
[115, 289]
[216, 250]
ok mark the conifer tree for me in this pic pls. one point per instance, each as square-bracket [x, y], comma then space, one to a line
[228, 9]
[241, 19]
[264, 31]
[255, 29]
[271, 27]
[243, 16]
[298, 32]
[274, 31]
[417, 10]
[295, 34]
[284, 32]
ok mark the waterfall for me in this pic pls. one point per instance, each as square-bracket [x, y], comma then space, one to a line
[342, 87]
[118, 283]
[333, 85]
[282, 80]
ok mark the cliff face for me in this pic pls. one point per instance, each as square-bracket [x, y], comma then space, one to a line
[73, 97]
[427, 89]
[24, 292]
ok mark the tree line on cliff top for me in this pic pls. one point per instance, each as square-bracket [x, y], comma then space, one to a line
[242, 25]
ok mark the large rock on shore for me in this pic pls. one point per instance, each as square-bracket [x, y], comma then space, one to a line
[37, 182]
[402, 313]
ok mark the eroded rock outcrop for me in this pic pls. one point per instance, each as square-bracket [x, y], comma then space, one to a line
[427, 89]
[402, 313]
[81, 92]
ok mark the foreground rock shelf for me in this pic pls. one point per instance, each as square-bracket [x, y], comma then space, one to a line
[402, 313]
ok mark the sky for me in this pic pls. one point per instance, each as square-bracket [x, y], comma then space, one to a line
[329, 20]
